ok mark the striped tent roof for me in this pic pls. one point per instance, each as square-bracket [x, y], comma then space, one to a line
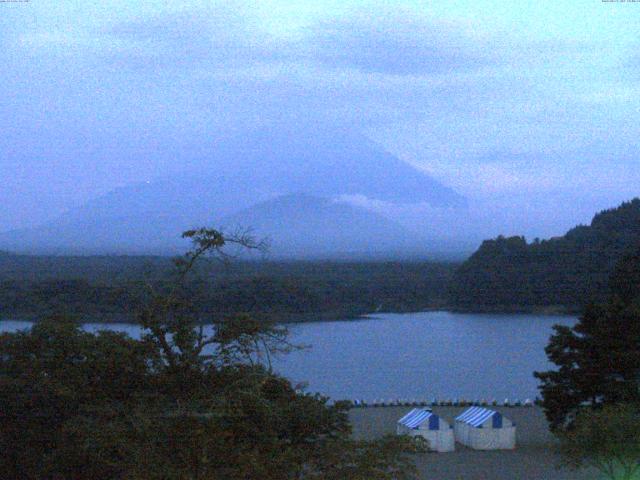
[476, 416]
[417, 417]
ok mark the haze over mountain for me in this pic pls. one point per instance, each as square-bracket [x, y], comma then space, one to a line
[304, 226]
[527, 111]
[322, 160]
[236, 181]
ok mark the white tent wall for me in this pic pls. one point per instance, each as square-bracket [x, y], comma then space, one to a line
[438, 434]
[486, 436]
[460, 432]
[466, 433]
[438, 440]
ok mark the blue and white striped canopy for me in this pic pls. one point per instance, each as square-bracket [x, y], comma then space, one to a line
[418, 416]
[476, 416]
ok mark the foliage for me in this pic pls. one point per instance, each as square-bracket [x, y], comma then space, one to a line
[52, 376]
[625, 281]
[599, 358]
[568, 271]
[115, 288]
[177, 404]
[607, 439]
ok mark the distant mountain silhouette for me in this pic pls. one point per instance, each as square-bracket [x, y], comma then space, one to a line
[235, 174]
[308, 226]
[296, 226]
[325, 161]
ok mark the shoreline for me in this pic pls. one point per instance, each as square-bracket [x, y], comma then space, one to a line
[551, 310]
[288, 319]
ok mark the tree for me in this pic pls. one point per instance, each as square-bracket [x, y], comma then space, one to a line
[567, 271]
[599, 358]
[52, 376]
[625, 280]
[607, 439]
[181, 403]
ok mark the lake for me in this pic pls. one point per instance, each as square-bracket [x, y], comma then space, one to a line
[412, 356]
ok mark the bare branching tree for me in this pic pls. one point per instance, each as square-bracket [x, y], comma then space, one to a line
[175, 328]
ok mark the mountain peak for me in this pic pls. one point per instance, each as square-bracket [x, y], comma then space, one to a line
[237, 173]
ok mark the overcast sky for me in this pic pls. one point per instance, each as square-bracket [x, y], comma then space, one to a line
[498, 99]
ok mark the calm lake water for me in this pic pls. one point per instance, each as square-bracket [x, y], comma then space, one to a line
[417, 355]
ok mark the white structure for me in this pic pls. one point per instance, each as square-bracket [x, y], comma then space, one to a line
[425, 423]
[483, 429]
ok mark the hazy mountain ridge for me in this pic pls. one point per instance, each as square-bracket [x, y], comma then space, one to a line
[300, 225]
[240, 174]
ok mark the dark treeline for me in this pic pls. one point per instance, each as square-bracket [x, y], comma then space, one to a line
[506, 274]
[566, 272]
[598, 359]
[591, 397]
[112, 288]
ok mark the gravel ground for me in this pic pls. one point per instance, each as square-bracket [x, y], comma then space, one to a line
[534, 457]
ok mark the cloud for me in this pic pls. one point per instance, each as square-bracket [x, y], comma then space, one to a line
[441, 93]
[363, 201]
[397, 45]
[225, 40]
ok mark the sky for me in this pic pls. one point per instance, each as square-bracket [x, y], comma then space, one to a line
[531, 109]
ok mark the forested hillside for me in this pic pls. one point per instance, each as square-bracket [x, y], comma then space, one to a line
[112, 288]
[564, 272]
